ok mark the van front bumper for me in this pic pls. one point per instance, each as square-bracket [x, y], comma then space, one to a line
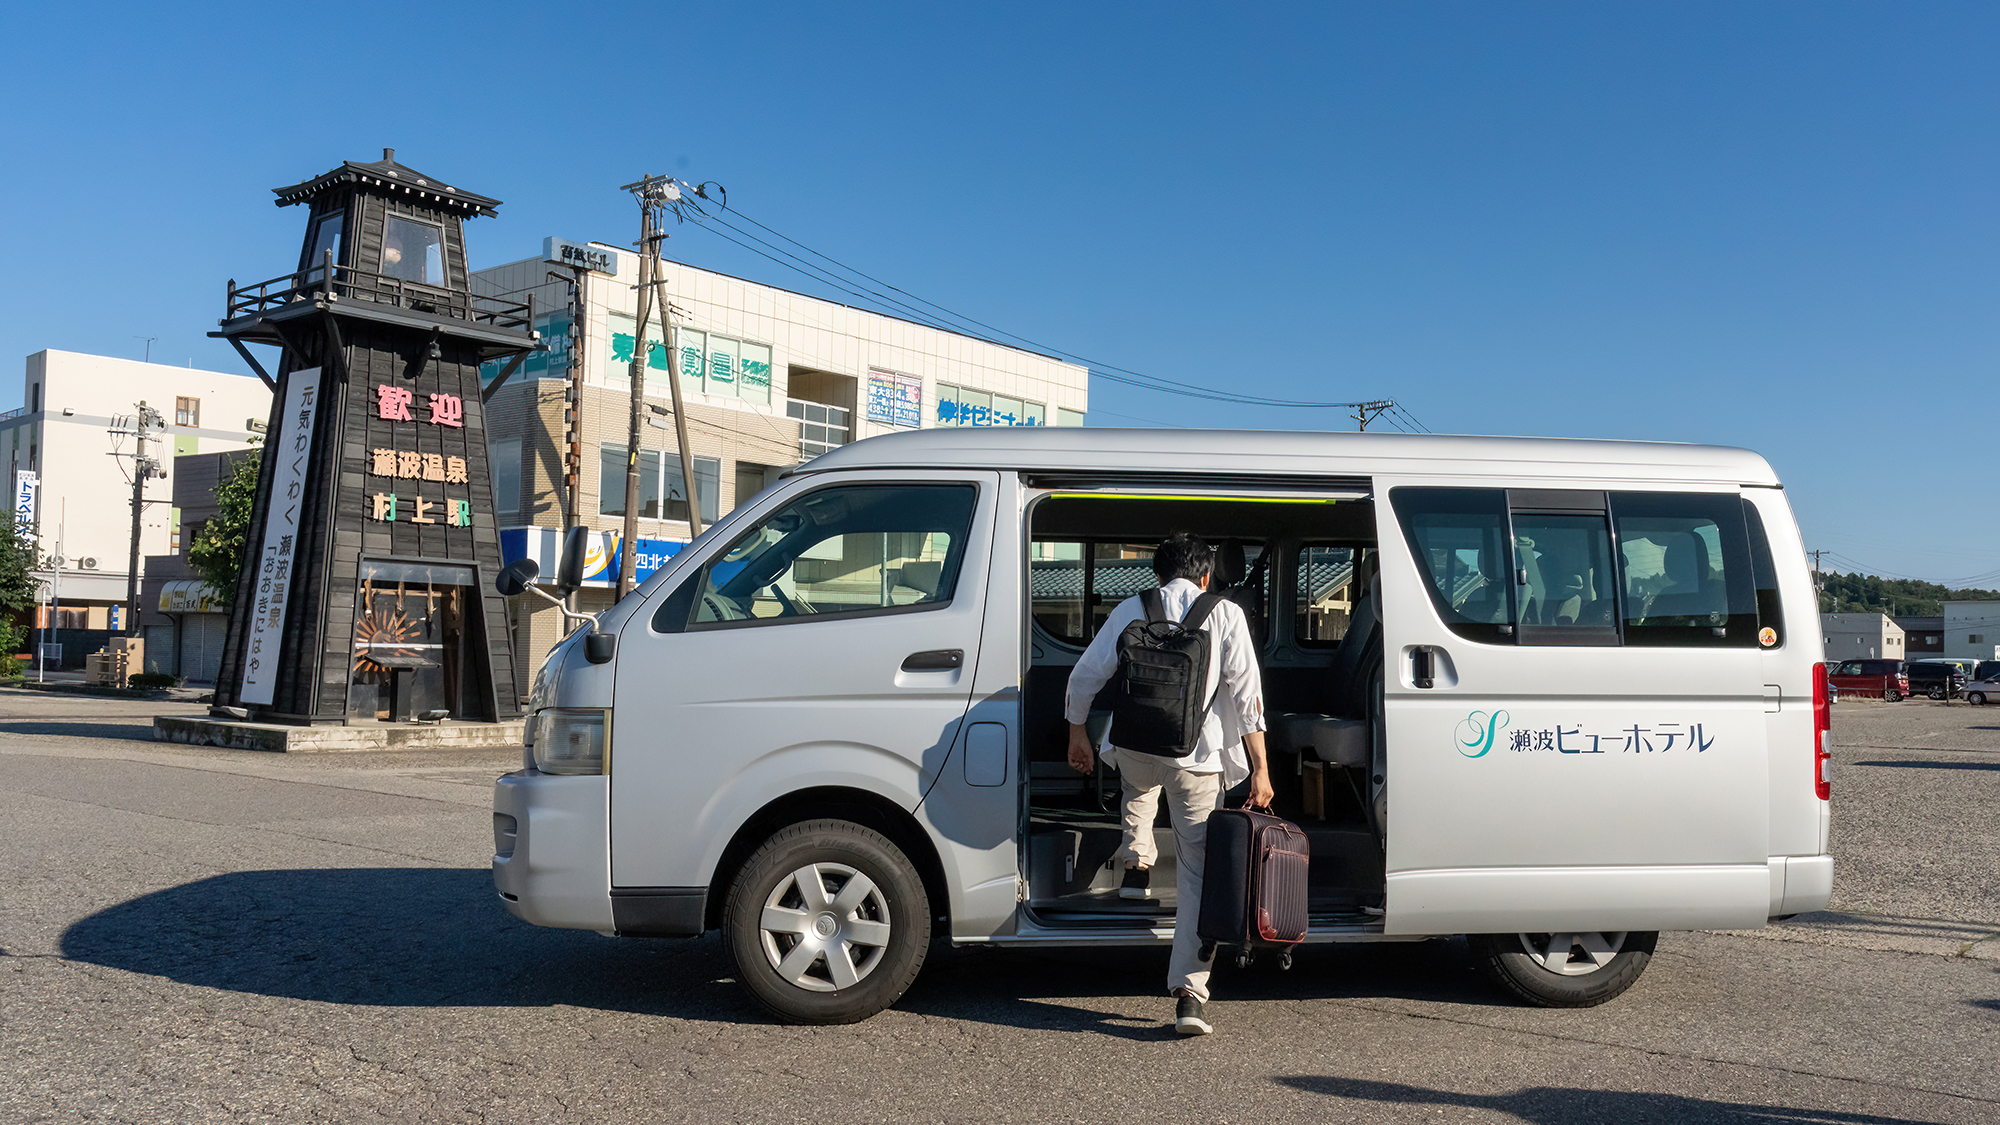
[552, 849]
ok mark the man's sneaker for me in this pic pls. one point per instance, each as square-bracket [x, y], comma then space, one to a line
[1187, 1017]
[1135, 884]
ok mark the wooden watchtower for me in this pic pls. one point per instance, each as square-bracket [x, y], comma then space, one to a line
[367, 585]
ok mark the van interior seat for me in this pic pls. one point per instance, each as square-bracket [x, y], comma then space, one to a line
[1341, 735]
[922, 577]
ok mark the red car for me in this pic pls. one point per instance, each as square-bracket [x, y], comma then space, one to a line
[1886, 679]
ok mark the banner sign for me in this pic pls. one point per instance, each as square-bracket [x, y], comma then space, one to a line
[895, 399]
[25, 484]
[291, 441]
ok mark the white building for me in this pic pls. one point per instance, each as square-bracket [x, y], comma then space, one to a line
[1972, 630]
[770, 378]
[62, 435]
[1860, 636]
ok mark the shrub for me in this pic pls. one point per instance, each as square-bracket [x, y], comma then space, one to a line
[151, 680]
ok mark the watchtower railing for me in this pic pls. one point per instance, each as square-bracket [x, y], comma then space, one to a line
[329, 281]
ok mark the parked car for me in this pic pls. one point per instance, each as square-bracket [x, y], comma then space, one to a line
[1978, 691]
[1832, 692]
[1935, 679]
[1884, 679]
[1986, 670]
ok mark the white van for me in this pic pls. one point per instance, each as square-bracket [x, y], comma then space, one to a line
[1554, 695]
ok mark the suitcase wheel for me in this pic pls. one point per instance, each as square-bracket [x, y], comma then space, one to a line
[1285, 959]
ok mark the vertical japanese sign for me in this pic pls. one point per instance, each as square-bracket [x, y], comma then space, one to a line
[291, 442]
[25, 483]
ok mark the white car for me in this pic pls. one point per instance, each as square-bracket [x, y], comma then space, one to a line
[1976, 691]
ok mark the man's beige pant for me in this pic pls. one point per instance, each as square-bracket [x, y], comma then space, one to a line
[1190, 798]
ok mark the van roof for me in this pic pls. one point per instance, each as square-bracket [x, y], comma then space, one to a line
[1294, 453]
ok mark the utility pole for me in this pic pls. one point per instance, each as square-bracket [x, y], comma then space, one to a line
[573, 412]
[655, 195]
[143, 469]
[1365, 412]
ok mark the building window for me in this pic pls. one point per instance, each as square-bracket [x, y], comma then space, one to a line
[1068, 417]
[187, 412]
[661, 493]
[611, 481]
[34, 398]
[1975, 638]
[505, 457]
[821, 427]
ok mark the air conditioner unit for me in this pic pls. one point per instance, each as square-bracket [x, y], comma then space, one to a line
[87, 563]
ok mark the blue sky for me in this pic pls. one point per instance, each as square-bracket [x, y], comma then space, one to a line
[1770, 225]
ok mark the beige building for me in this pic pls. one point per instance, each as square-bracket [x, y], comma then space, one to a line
[78, 471]
[1856, 636]
[770, 378]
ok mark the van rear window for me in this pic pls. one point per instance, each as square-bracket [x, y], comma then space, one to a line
[1577, 567]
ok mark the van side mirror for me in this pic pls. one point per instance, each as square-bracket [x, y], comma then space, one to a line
[569, 571]
[517, 577]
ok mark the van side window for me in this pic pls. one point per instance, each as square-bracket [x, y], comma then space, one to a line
[1326, 593]
[1688, 579]
[845, 551]
[1770, 611]
[1565, 585]
[1459, 537]
[1075, 584]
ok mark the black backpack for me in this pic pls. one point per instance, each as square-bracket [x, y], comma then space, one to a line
[1159, 697]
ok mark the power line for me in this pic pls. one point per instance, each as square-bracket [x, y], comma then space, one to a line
[1110, 372]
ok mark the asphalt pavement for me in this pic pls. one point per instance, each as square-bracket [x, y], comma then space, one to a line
[199, 935]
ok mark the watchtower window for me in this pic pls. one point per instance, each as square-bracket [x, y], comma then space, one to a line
[326, 236]
[413, 251]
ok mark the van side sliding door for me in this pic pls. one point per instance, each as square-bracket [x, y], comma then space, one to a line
[1575, 712]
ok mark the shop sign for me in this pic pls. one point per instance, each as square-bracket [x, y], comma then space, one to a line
[291, 444]
[563, 252]
[550, 362]
[895, 399]
[601, 558]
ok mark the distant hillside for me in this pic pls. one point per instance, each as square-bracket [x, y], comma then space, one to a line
[1865, 593]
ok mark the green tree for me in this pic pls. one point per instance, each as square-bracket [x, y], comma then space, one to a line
[17, 595]
[217, 553]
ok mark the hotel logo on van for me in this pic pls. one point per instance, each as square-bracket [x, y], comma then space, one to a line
[1480, 732]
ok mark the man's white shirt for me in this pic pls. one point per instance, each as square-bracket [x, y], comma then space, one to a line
[1237, 708]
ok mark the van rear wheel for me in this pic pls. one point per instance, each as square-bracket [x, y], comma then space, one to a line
[1574, 970]
[827, 922]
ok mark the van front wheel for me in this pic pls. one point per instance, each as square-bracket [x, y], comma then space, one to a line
[1577, 970]
[827, 922]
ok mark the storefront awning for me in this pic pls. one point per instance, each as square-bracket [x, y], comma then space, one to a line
[189, 595]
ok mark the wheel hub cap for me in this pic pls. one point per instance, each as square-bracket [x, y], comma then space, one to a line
[825, 927]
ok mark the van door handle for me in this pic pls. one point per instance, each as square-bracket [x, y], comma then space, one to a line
[1423, 667]
[935, 660]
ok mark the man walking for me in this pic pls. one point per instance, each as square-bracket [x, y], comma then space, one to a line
[1231, 748]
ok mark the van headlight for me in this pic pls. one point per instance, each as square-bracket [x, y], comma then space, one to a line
[571, 740]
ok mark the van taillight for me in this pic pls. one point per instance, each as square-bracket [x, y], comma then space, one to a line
[1822, 736]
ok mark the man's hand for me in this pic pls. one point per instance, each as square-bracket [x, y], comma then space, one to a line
[1082, 755]
[1260, 790]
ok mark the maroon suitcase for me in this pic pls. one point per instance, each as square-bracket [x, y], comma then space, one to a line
[1254, 884]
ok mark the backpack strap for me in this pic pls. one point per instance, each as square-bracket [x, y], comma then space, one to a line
[1199, 611]
[1155, 606]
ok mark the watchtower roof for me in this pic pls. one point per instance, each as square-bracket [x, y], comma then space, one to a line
[387, 175]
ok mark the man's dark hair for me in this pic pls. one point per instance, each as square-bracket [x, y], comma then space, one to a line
[1183, 556]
